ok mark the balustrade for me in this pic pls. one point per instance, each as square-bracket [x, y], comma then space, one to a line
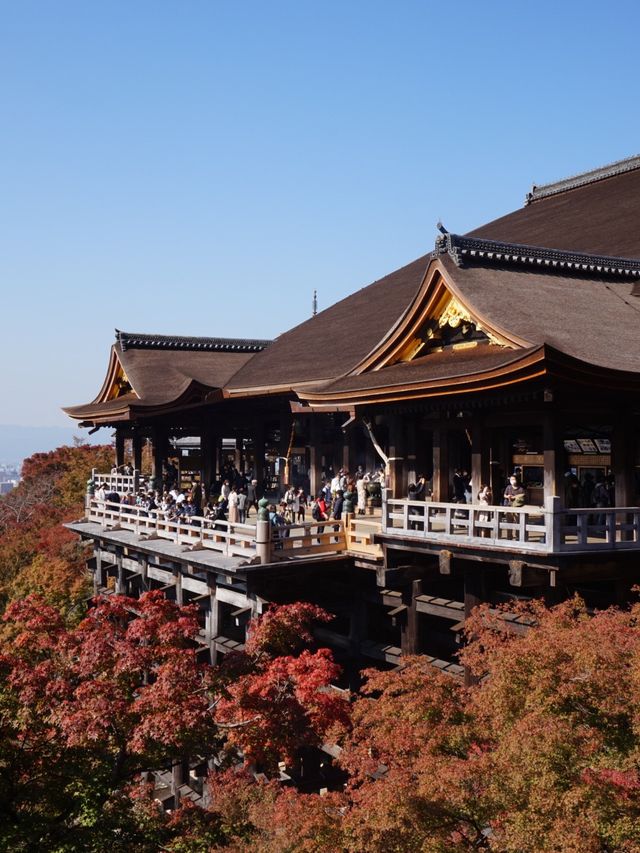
[231, 539]
[548, 529]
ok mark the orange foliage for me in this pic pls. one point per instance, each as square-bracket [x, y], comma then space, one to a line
[542, 753]
[37, 554]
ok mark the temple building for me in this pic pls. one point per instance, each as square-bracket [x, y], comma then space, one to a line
[511, 350]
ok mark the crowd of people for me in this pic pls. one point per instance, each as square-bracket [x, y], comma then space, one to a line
[234, 496]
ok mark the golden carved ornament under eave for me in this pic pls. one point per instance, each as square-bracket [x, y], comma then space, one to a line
[455, 313]
[120, 385]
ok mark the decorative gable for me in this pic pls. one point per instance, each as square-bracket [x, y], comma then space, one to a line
[451, 326]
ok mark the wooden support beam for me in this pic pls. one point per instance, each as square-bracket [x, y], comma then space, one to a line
[242, 616]
[386, 577]
[553, 449]
[480, 456]
[474, 594]
[98, 581]
[177, 574]
[209, 456]
[444, 562]
[120, 578]
[623, 457]
[441, 479]
[410, 627]
[474, 589]
[159, 449]
[213, 620]
[397, 479]
[315, 455]
[119, 448]
[283, 449]
[411, 454]
[522, 575]
[258, 454]
[137, 443]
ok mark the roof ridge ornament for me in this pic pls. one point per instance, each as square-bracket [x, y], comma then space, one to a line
[445, 244]
[467, 250]
[629, 164]
[142, 340]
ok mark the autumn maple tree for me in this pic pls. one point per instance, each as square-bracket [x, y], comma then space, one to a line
[86, 711]
[540, 753]
[37, 554]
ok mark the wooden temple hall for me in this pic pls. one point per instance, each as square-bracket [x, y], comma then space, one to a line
[513, 349]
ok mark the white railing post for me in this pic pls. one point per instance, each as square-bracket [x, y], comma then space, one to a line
[495, 520]
[553, 523]
[386, 521]
[522, 527]
[263, 541]
[582, 522]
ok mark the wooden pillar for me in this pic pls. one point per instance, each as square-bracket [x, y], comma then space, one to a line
[410, 632]
[120, 579]
[284, 467]
[411, 451]
[315, 455]
[553, 450]
[347, 452]
[119, 448]
[622, 467]
[209, 452]
[212, 626]
[474, 594]
[137, 442]
[258, 452]
[480, 457]
[177, 576]
[159, 446]
[98, 580]
[397, 480]
[623, 463]
[179, 776]
[357, 631]
[441, 478]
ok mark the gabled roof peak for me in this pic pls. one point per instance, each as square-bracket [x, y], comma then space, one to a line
[467, 250]
[140, 340]
[629, 164]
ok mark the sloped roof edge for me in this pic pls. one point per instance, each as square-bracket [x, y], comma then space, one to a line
[537, 192]
[142, 340]
[468, 249]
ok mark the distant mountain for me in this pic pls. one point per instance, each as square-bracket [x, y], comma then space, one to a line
[19, 442]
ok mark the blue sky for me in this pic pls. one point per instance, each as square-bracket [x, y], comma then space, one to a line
[201, 167]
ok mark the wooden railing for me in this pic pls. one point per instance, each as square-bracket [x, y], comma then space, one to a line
[547, 529]
[231, 539]
[308, 538]
[600, 529]
[120, 483]
[360, 535]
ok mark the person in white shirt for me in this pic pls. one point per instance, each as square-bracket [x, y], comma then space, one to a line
[233, 506]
